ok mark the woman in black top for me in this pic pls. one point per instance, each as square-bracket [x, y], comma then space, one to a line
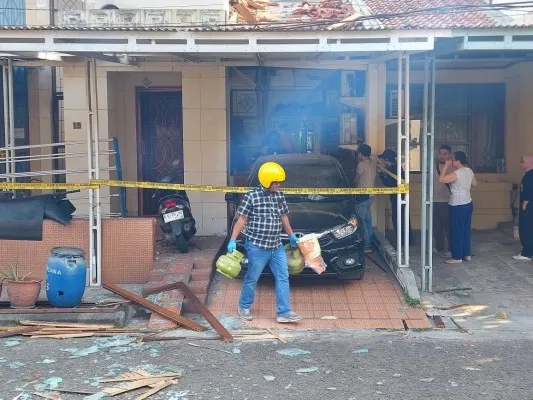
[526, 210]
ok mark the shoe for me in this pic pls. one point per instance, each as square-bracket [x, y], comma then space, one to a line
[288, 318]
[468, 258]
[445, 254]
[452, 261]
[520, 257]
[245, 314]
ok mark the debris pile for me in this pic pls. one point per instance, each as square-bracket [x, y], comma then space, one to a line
[339, 12]
[139, 379]
[63, 330]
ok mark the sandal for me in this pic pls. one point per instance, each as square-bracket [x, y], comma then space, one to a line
[452, 261]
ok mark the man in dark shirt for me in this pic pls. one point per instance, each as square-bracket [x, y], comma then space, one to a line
[526, 211]
[263, 214]
[388, 161]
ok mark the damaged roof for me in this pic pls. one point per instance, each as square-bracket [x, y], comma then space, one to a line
[372, 14]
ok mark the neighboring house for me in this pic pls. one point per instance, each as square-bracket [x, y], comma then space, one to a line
[206, 84]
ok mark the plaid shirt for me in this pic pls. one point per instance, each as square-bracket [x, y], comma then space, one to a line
[264, 211]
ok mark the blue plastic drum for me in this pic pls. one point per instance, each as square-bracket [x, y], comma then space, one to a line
[66, 276]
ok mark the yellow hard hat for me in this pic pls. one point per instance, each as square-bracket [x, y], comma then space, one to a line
[270, 172]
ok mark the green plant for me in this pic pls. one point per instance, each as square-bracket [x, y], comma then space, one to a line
[12, 274]
[411, 301]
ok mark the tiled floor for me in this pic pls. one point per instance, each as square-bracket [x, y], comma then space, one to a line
[374, 302]
[193, 268]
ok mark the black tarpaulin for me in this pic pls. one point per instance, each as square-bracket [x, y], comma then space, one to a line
[22, 219]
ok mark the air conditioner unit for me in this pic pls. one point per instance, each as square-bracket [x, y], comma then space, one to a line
[393, 104]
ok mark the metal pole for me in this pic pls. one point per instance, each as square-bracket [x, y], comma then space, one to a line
[399, 165]
[96, 137]
[88, 100]
[406, 137]
[423, 227]
[7, 129]
[431, 162]
[11, 116]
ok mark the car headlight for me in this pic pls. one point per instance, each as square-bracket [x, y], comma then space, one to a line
[345, 230]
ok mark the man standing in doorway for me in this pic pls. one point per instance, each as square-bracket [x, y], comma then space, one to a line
[365, 177]
[441, 197]
[264, 213]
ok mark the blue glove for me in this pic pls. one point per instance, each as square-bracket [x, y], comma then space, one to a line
[294, 241]
[232, 246]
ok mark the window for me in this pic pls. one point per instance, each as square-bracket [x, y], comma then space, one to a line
[468, 117]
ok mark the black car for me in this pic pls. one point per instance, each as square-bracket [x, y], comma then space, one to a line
[342, 244]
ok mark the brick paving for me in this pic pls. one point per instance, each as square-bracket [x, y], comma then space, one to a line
[375, 302]
[193, 268]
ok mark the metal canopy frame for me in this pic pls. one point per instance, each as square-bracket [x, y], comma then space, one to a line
[194, 43]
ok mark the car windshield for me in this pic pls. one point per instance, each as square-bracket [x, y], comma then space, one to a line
[313, 176]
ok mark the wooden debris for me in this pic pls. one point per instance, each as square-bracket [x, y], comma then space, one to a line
[66, 324]
[46, 396]
[18, 331]
[453, 289]
[276, 335]
[68, 330]
[134, 385]
[244, 12]
[157, 388]
[137, 375]
[63, 336]
[209, 348]
[350, 18]
[141, 379]
[262, 337]
[74, 391]
[439, 323]
[195, 301]
[254, 5]
[170, 315]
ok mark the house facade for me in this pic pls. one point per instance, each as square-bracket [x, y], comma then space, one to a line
[208, 85]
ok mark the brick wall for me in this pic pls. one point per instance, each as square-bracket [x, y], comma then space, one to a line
[128, 248]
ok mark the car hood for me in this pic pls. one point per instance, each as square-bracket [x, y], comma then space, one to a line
[317, 217]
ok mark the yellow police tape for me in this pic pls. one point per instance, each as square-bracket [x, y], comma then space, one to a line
[95, 184]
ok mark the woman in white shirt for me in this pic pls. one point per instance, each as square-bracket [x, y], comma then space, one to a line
[461, 207]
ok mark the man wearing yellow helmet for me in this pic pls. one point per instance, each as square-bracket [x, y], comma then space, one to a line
[263, 214]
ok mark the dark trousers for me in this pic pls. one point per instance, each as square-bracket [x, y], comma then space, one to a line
[394, 211]
[441, 226]
[461, 230]
[525, 229]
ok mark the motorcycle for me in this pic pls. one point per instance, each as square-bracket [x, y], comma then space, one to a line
[175, 215]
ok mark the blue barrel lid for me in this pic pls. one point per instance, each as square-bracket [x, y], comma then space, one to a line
[68, 252]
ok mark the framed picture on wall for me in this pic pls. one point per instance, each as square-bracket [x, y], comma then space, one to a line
[245, 103]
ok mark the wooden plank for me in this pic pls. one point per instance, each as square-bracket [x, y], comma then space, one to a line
[195, 302]
[244, 13]
[74, 325]
[18, 331]
[170, 315]
[80, 310]
[136, 376]
[157, 388]
[276, 335]
[114, 391]
[159, 289]
[63, 336]
[210, 318]
[439, 323]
